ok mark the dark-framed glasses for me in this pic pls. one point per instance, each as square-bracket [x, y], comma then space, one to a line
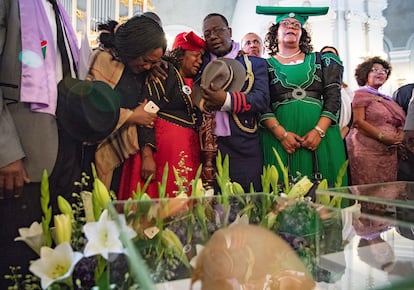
[295, 24]
[216, 31]
[380, 71]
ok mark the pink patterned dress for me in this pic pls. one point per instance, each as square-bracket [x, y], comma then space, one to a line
[371, 161]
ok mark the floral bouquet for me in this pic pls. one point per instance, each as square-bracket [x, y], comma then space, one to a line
[86, 244]
[101, 243]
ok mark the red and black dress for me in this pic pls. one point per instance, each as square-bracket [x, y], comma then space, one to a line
[176, 139]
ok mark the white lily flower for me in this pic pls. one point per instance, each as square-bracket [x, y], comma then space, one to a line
[55, 264]
[103, 237]
[32, 236]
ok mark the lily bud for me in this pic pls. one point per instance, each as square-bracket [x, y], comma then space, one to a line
[199, 191]
[64, 206]
[100, 193]
[63, 228]
[237, 188]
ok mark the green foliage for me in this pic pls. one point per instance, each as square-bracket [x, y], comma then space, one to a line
[46, 209]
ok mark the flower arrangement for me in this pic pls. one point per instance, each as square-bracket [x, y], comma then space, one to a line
[168, 233]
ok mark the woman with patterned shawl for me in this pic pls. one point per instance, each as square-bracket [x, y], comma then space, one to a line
[377, 129]
[305, 98]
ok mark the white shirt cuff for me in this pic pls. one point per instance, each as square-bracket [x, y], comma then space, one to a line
[227, 103]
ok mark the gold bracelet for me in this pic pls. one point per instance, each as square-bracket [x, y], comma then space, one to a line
[380, 136]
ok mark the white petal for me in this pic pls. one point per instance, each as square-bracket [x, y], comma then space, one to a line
[62, 255]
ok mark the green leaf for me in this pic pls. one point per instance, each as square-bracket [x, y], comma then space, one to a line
[46, 209]
[341, 174]
[284, 170]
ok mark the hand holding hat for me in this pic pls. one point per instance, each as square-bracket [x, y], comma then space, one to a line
[213, 96]
[219, 76]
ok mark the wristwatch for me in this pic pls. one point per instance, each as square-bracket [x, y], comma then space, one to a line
[320, 131]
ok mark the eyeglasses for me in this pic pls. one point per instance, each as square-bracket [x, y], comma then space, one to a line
[286, 23]
[380, 71]
[216, 31]
[250, 42]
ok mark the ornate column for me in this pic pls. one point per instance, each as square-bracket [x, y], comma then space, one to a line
[208, 149]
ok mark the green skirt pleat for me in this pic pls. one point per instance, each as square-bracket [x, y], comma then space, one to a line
[300, 116]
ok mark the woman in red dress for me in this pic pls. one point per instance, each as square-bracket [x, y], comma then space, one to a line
[176, 135]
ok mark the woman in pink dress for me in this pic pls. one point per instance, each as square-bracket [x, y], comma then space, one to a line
[377, 126]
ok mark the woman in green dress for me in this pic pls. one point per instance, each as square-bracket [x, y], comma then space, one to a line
[305, 98]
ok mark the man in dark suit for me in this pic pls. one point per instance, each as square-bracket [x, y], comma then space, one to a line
[31, 65]
[240, 110]
[403, 95]
[406, 160]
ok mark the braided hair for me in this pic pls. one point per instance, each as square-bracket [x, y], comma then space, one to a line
[107, 32]
[137, 36]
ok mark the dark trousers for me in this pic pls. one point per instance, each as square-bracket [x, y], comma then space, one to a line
[15, 213]
[406, 168]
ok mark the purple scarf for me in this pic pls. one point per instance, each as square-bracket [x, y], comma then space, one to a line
[375, 92]
[38, 56]
[222, 117]
[395, 109]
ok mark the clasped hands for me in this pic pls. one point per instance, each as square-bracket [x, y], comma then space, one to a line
[292, 141]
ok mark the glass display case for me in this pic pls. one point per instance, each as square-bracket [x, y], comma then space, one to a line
[368, 245]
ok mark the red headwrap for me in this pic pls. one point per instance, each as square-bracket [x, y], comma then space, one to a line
[189, 41]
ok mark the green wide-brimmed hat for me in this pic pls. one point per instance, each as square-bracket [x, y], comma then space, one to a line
[301, 14]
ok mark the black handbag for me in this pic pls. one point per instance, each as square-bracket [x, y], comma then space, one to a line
[315, 179]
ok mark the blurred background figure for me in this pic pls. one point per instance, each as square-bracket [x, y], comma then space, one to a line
[403, 95]
[406, 156]
[38, 48]
[377, 126]
[345, 115]
[252, 44]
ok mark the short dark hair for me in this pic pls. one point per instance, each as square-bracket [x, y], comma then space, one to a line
[137, 36]
[363, 69]
[217, 15]
[330, 47]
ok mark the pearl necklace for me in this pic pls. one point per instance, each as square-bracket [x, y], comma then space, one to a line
[288, 56]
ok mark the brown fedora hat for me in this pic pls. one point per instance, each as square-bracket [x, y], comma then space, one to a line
[226, 73]
[87, 110]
